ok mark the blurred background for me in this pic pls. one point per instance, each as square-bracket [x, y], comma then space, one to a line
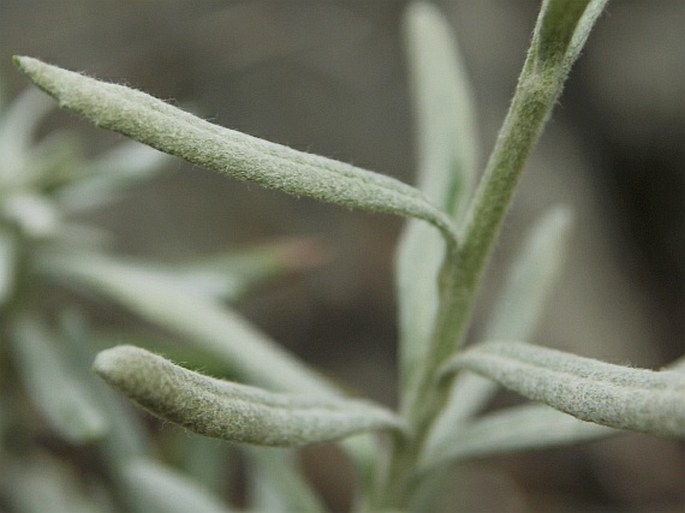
[329, 77]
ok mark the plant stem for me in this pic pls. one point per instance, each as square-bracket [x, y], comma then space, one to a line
[535, 96]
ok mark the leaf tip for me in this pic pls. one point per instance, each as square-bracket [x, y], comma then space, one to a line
[109, 363]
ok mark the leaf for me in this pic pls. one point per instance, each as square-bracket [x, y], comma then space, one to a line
[171, 130]
[612, 395]
[228, 275]
[126, 436]
[234, 412]
[18, 125]
[105, 178]
[64, 400]
[446, 151]
[518, 428]
[277, 485]
[205, 323]
[562, 29]
[533, 274]
[155, 488]
[443, 105]
[41, 484]
[538, 89]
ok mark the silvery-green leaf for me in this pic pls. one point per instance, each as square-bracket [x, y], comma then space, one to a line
[518, 428]
[125, 436]
[446, 151]
[17, 128]
[171, 130]
[209, 461]
[516, 313]
[43, 484]
[678, 365]
[64, 400]
[106, 177]
[442, 98]
[277, 485]
[206, 323]
[612, 395]
[562, 29]
[34, 214]
[529, 282]
[234, 412]
[228, 275]
[155, 488]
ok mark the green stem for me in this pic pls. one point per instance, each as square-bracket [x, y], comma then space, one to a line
[535, 96]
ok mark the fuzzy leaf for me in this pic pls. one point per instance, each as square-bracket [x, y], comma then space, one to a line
[155, 488]
[228, 275]
[42, 484]
[18, 125]
[445, 126]
[126, 436]
[206, 323]
[234, 412]
[533, 274]
[533, 426]
[446, 151]
[171, 130]
[61, 396]
[621, 397]
[106, 177]
[277, 484]
[562, 29]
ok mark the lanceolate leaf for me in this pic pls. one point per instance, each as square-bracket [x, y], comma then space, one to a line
[621, 397]
[154, 488]
[446, 152]
[171, 130]
[277, 484]
[532, 426]
[532, 276]
[63, 398]
[563, 27]
[445, 125]
[156, 297]
[234, 412]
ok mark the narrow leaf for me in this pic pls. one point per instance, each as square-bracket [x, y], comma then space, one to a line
[533, 426]
[532, 276]
[41, 484]
[106, 177]
[529, 283]
[446, 151]
[228, 275]
[621, 397]
[538, 88]
[206, 323]
[234, 412]
[126, 436]
[155, 488]
[171, 130]
[18, 125]
[64, 400]
[562, 29]
[277, 484]
[445, 126]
